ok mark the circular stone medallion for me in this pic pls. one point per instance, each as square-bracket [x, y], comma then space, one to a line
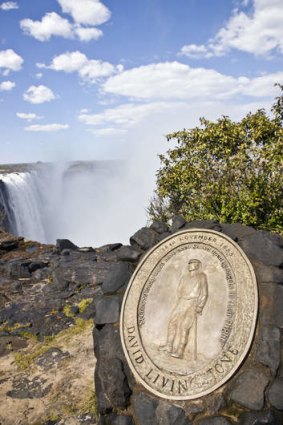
[189, 314]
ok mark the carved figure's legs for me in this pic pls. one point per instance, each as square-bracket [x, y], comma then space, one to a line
[171, 332]
[185, 327]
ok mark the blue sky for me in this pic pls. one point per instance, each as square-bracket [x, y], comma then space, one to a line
[108, 79]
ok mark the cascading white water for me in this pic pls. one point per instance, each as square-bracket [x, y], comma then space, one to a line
[27, 203]
[36, 199]
[88, 203]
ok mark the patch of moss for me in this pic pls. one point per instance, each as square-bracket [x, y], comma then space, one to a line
[24, 360]
[49, 279]
[67, 311]
[83, 304]
[232, 412]
[9, 346]
[5, 327]
[49, 338]
[28, 335]
[79, 326]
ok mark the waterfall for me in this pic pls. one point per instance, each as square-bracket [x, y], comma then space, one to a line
[7, 220]
[86, 202]
[36, 198]
[26, 201]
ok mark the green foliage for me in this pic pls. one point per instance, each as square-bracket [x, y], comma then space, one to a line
[225, 170]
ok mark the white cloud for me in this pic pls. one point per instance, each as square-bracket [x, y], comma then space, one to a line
[261, 86]
[47, 127]
[174, 80]
[9, 5]
[109, 132]
[28, 116]
[39, 75]
[168, 87]
[165, 97]
[92, 12]
[260, 33]
[89, 70]
[10, 60]
[67, 62]
[158, 118]
[51, 24]
[168, 80]
[95, 69]
[7, 85]
[87, 34]
[125, 116]
[195, 51]
[38, 94]
[241, 3]
[85, 17]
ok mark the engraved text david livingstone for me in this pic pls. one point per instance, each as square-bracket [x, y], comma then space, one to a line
[189, 314]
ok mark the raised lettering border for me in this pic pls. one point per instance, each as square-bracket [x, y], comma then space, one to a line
[169, 244]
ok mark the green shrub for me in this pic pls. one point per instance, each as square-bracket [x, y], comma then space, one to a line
[225, 170]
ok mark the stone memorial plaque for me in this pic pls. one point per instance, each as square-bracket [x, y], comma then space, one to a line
[189, 314]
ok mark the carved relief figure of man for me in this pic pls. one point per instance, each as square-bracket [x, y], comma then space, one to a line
[192, 295]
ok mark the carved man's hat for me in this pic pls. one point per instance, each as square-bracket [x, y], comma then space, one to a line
[194, 260]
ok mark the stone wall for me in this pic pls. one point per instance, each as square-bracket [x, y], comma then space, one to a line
[254, 395]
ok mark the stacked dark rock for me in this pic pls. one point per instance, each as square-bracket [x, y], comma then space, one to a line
[253, 396]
